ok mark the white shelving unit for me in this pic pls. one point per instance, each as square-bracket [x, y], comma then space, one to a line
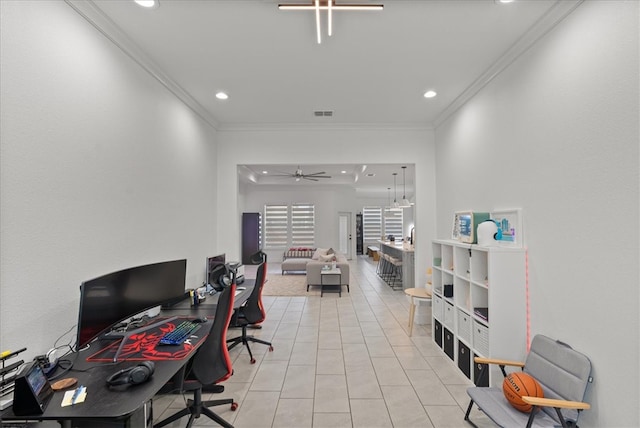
[466, 277]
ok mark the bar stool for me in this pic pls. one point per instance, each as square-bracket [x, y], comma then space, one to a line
[416, 293]
[396, 272]
[379, 266]
[383, 266]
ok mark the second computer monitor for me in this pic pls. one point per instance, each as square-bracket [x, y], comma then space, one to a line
[215, 268]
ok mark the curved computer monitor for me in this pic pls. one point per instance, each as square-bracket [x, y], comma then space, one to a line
[114, 297]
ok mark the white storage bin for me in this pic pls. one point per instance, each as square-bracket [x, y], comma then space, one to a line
[449, 316]
[481, 338]
[464, 326]
[437, 307]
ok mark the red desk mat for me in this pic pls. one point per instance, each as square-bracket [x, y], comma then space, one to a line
[144, 346]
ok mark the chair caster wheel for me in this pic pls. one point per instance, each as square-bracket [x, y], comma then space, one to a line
[253, 361]
[234, 406]
[270, 348]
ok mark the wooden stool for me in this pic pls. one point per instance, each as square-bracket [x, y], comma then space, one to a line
[417, 293]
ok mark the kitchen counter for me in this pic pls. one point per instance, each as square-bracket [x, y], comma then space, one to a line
[405, 252]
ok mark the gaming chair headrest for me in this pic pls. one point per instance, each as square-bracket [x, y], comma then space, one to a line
[258, 258]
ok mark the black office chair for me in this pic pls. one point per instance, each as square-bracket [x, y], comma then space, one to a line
[250, 314]
[209, 366]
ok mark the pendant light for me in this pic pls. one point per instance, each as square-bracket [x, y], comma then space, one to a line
[405, 202]
[395, 202]
[387, 209]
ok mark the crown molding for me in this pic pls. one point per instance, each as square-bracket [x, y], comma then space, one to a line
[94, 16]
[539, 29]
[325, 127]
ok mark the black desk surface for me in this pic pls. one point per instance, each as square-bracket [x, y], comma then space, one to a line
[104, 402]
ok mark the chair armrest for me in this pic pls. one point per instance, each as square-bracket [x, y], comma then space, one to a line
[550, 402]
[499, 362]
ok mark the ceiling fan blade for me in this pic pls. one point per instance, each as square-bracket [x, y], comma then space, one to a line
[317, 176]
[283, 174]
[316, 173]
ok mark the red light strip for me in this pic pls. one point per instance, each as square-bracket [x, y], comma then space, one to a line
[526, 279]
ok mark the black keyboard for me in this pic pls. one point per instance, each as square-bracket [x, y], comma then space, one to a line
[180, 334]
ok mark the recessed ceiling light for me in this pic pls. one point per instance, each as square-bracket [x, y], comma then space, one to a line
[149, 4]
[222, 96]
[430, 94]
[265, 172]
[343, 172]
[504, 1]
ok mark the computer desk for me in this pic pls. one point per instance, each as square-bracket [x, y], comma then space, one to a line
[120, 404]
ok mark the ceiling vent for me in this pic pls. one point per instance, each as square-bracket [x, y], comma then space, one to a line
[323, 113]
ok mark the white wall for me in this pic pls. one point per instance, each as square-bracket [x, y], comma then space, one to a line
[328, 146]
[328, 202]
[102, 168]
[557, 135]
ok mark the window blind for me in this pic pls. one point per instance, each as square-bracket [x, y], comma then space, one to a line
[276, 226]
[302, 225]
[371, 223]
[393, 218]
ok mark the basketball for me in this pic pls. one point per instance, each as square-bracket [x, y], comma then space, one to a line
[517, 385]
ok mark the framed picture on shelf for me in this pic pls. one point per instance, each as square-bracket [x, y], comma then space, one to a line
[455, 230]
[510, 221]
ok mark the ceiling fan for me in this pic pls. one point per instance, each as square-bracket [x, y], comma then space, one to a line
[298, 175]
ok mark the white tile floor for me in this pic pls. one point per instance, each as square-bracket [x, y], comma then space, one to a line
[340, 362]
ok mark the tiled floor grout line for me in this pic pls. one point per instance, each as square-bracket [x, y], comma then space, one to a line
[372, 302]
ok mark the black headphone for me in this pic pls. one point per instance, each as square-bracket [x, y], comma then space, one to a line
[226, 278]
[133, 375]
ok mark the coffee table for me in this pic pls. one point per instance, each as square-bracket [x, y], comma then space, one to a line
[331, 278]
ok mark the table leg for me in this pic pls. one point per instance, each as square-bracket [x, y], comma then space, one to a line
[412, 311]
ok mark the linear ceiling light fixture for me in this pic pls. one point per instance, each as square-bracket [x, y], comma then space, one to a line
[330, 6]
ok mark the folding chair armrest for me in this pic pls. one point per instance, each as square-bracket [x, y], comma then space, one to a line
[562, 404]
[483, 360]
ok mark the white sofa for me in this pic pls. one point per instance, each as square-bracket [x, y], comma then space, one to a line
[314, 266]
[311, 261]
[296, 259]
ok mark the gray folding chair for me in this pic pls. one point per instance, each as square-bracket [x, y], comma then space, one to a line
[564, 375]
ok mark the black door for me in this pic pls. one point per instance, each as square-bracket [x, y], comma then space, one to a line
[359, 239]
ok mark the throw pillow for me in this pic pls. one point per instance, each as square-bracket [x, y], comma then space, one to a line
[319, 252]
[330, 251]
[327, 258]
